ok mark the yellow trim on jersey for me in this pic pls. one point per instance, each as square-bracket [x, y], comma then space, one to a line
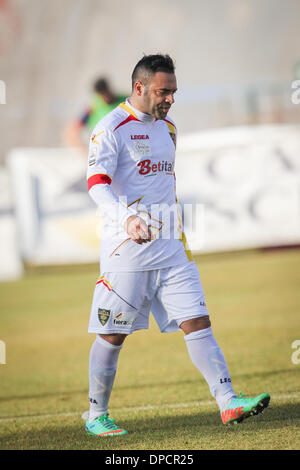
[160, 222]
[94, 138]
[119, 246]
[105, 280]
[171, 127]
[186, 247]
[182, 236]
[124, 106]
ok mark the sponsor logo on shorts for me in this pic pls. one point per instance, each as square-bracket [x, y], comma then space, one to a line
[124, 318]
[103, 315]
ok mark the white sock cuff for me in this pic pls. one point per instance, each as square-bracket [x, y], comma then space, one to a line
[199, 334]
[106, 344]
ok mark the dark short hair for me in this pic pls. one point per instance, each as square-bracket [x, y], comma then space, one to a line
[101, 85]
[150, 64]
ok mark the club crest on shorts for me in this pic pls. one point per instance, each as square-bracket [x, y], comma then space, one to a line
[103, 315]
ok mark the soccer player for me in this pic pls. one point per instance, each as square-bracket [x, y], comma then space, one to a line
[145, 262]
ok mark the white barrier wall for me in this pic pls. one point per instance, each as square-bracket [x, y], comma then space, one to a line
[56, 217]
[246, 181]
[244, 184]
[11, 266]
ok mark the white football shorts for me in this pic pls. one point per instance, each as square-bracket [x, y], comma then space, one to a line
[122, 301]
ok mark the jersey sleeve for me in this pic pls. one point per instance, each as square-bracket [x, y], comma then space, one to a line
[172, 129]
[103, 157]
[102, 164]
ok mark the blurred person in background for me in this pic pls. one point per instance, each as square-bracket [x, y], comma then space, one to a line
[103, 101]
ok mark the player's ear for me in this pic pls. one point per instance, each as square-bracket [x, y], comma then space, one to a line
[139, 88]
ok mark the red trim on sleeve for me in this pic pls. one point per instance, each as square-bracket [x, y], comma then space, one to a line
[98, 179]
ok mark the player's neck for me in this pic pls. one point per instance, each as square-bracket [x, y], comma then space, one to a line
[140, 114]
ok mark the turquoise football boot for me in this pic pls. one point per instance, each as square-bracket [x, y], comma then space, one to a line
[242, 408]
[103, 426]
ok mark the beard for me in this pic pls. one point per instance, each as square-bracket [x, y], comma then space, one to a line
[159, 111]
[162, 111]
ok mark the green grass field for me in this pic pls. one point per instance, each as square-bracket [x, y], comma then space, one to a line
[159, 396]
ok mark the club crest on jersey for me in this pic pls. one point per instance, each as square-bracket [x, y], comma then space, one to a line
[103, 315]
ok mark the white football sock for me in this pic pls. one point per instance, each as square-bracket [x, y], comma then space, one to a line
[207, 356]
[102, 371]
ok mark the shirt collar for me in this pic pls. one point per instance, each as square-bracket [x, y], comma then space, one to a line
[141, 116]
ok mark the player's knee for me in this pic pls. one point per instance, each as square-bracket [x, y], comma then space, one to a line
[195, 324]
[115, 339]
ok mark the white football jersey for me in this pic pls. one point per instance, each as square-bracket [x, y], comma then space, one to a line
[131, 171]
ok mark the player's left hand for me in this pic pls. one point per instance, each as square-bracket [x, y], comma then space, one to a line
[138, 230]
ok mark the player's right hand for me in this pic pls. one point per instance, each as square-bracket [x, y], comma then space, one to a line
[137, 229]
